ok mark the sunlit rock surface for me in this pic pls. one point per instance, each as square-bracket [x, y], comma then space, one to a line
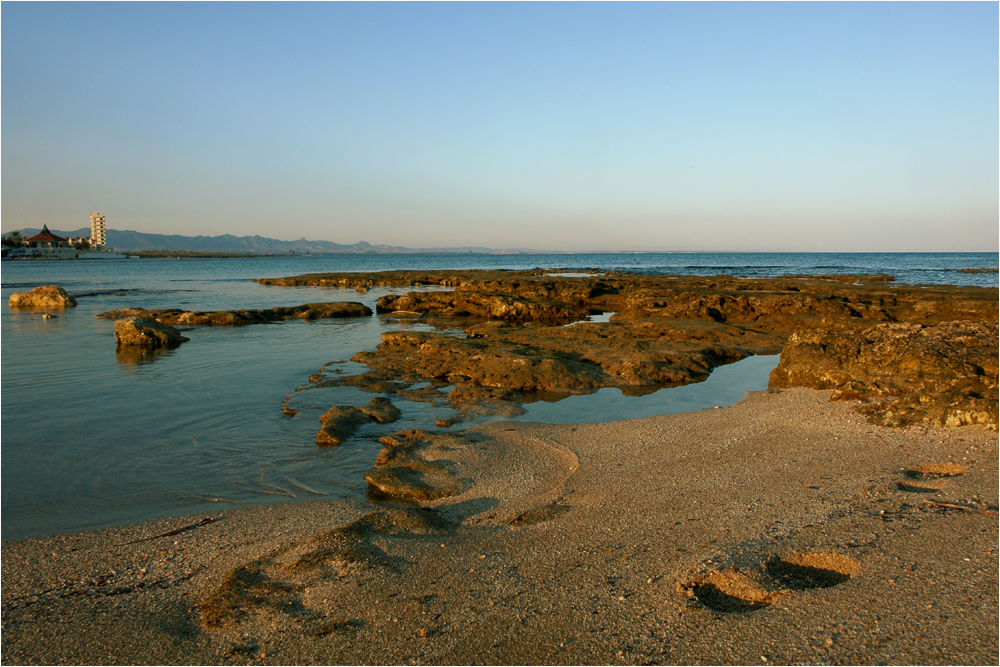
[945, 373]
[341, 421]
[136, 332]
[46, 296]
[527, 335]
[308, 311]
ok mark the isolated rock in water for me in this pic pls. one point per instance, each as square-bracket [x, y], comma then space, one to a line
[341, 421]
[944, 374]
[145, 333]
[46, 296]
[382, 410]
[338, 423]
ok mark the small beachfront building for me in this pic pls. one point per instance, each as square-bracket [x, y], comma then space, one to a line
[47, 245]
[45, 239]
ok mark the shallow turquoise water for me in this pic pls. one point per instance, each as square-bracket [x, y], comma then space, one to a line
[92, 438]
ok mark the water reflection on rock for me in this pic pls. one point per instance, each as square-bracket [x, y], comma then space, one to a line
[141, 356]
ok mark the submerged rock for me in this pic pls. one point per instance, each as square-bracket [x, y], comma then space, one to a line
[46, 296]
[382, 410]
[944, 374]
[339, 423]
[135, 332]
[342, 421]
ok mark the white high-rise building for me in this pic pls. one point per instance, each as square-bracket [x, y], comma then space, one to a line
[98, 237]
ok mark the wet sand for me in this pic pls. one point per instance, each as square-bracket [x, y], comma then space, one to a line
[784, 529]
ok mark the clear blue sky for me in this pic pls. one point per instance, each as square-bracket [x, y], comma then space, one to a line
[593, 126]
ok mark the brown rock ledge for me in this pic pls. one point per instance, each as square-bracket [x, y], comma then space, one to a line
[780, 303]
[944, 374]
[550, 360]
[664, 331]
[308, 311]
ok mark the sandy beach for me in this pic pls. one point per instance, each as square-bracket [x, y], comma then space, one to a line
[784, 529]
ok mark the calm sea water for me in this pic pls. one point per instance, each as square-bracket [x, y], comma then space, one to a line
[92, 438]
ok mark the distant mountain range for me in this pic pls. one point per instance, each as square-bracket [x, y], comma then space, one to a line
[129, 241]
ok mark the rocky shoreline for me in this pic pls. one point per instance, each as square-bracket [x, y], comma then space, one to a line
[841, 517]
[527, 335]
[671, 330]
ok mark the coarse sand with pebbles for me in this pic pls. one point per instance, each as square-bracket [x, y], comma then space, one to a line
[784, 529]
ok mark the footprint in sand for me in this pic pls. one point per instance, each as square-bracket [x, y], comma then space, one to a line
[935, 471]
[274, 587]
[918, 477]
[731, 591]
[917, 488]
[800, 572]
[940, 472]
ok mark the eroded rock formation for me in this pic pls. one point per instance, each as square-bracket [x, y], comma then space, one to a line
[46, 296]
[502, 307]
[341, 421]
[664, 331]
[338, 423]
[308, 311]
[546, 360]
[274, 586]
[943, 373]
[778, 304]
[136, 332]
